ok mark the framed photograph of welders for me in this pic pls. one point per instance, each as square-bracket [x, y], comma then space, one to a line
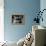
[18, 19]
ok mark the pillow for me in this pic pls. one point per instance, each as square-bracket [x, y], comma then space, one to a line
[21, 42]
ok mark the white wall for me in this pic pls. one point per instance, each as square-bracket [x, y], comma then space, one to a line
[1, 20]
[43, 6]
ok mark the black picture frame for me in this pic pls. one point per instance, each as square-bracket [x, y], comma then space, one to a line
[18, 19]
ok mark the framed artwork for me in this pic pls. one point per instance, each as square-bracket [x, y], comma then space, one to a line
[18, 19]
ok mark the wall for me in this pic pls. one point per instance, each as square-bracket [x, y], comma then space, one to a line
[42, 6]
[28, 7]
[1, 20]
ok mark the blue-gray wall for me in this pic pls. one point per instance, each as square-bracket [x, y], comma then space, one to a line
[29, 8]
